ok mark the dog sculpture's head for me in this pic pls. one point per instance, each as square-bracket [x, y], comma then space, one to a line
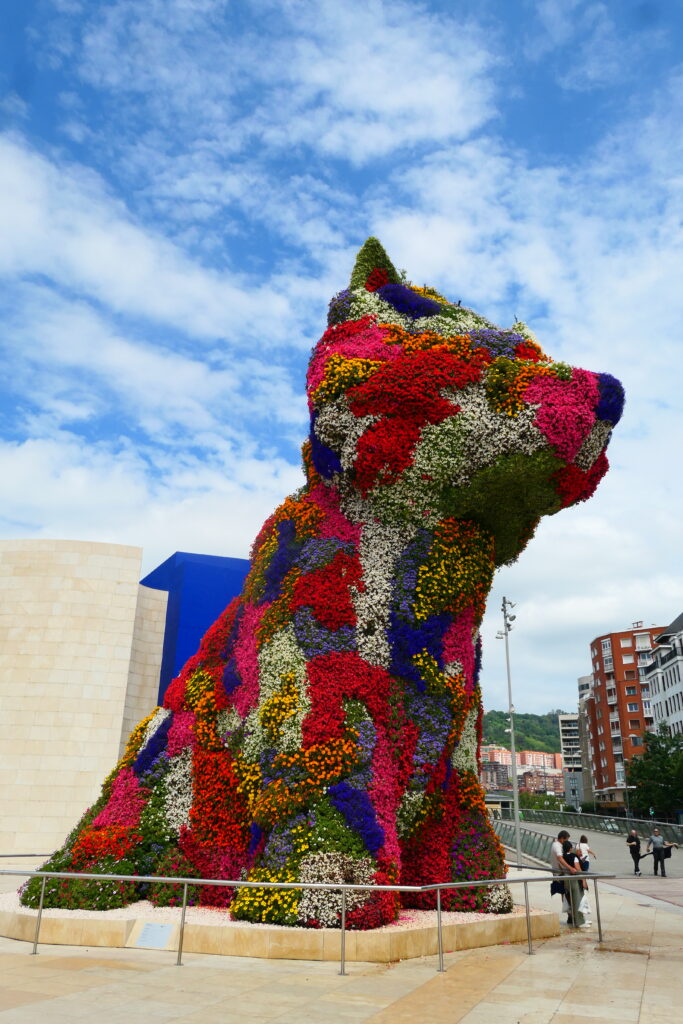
[425, 410]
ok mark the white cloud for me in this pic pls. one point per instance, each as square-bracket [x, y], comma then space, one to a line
[60, 221]
[328, 76]
[105, 492]
[66, 344]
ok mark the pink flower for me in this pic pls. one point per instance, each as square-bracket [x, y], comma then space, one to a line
[181, 733]
[567, 409]
[366, 343]
[245, 697]
[334, 523]
[385, 794]
[125, 804]
[458, 645]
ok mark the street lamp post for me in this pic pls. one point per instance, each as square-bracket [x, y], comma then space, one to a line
[508, 619]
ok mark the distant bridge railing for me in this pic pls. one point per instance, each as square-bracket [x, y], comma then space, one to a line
[534, 844]
[598, 822]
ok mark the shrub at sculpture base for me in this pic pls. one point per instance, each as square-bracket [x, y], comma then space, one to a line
[328, 728]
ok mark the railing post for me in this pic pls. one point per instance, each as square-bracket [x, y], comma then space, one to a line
[528, 918]
[597, 909]
[179, 962]
[439, 932]
[342, 957]
[40, 914]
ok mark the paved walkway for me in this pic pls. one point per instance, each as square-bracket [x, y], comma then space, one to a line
[613, 858]
[635, 977]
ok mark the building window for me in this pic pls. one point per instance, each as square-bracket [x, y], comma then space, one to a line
[627, 659]
[606, 646]
[634, 723]
[631, 691]
[643, 642]
[629, 674]
[609, 663]
[632, 707]
[636, 741]
[626, 641]
[644, 658]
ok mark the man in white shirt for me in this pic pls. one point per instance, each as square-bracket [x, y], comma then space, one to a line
[562, 867]
[557, 861]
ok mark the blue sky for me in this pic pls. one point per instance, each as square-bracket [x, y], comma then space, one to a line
[183, 186]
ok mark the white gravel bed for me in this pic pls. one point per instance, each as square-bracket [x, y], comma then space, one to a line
[143, 909]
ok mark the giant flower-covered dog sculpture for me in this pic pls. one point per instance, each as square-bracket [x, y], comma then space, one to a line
[328, 728]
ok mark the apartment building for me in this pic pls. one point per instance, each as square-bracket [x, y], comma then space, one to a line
[542, 780]
[571, 758]
[665, 677]
[618, 709]
[585, 692]
[494, 776]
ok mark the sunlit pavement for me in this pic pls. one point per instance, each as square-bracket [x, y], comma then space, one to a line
[635, 976]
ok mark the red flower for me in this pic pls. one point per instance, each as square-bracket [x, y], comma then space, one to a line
[376, 279]
[327, 591]
[219, 812]
[574, 484]
[528, 350]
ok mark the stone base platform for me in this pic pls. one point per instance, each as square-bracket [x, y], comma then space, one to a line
[394, 942]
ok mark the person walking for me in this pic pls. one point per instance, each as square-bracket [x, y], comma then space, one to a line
[661, 850]
[633, 843]
[585, 853]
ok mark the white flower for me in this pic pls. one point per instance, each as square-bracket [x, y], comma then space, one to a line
[280, 657]
[594, 444]
[179, 790]
[159, 716]
[498, 900]
[464, 756]
[325, 905]
[338, 429]
[379, 550]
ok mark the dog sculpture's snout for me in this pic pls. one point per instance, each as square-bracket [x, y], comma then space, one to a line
[611, 403]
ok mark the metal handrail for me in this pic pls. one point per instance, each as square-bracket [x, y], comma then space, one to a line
[344, 887]
[613, 824]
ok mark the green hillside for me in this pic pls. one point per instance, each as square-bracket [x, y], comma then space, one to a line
[532, 732]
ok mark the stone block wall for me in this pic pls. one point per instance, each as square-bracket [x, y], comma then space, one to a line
[80, 653]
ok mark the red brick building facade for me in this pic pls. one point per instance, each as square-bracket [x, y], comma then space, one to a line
[617, 709]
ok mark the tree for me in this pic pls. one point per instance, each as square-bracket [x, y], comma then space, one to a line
[540, 801]
[532, 732]
[657, 774]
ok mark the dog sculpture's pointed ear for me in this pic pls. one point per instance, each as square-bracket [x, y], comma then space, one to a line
[373, 266]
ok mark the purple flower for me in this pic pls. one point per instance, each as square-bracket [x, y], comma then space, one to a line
[356, 808]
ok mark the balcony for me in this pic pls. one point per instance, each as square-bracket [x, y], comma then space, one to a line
[611, 696]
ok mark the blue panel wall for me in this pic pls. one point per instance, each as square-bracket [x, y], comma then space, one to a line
[199, 588]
